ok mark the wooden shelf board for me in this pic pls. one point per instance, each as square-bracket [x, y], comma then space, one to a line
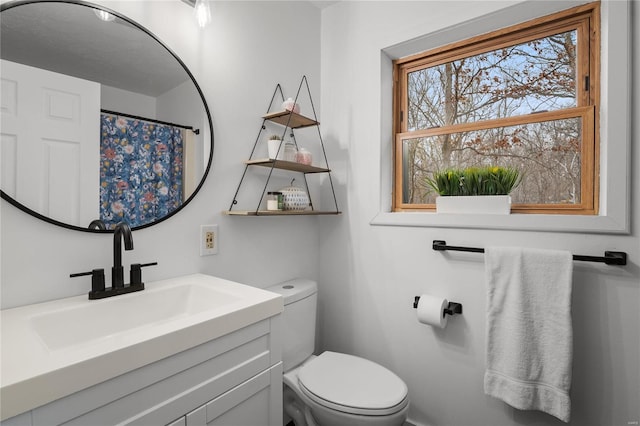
[286, 165]
[296, 121]
[279, 213]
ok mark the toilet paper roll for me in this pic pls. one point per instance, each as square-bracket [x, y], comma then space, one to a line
[430, 310]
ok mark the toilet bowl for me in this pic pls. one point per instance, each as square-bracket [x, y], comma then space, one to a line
[331, 389]
[337, 389]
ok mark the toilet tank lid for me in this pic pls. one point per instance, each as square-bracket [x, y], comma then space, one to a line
[294, 290]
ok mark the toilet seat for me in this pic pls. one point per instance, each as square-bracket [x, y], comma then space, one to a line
[352, 385]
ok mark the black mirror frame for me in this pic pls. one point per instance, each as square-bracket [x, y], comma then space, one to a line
[10, 200]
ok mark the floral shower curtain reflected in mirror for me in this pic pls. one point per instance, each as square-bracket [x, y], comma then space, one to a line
[141, 170]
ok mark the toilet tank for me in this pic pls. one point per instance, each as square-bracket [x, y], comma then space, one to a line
[298, 319]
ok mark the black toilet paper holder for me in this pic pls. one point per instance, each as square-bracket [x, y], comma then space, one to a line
[452, 309]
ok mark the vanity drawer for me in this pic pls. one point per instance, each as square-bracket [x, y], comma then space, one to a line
[250, 404]
[165, 390]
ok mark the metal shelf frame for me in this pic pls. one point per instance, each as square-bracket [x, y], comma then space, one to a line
[290, 120]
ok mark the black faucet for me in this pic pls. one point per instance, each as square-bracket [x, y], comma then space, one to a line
[121, 232]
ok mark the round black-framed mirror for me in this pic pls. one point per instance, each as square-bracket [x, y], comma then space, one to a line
[74, 40]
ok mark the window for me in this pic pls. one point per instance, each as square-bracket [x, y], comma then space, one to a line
[525, 96]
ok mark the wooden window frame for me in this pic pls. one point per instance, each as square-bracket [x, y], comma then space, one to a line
[586, 20]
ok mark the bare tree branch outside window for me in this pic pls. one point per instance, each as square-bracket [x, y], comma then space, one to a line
[519, 105]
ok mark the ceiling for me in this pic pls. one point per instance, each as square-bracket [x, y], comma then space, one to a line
[70, 39]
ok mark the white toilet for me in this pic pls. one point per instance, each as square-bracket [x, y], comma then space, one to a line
[331, 389]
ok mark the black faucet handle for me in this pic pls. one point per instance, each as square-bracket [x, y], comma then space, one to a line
[135, 274]
[97, 224]
[97, 279]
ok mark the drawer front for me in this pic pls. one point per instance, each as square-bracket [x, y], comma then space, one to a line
[203, 392]
[23, 419]
[182, 421]
[178, 394]
[163, 391]
[256, 402]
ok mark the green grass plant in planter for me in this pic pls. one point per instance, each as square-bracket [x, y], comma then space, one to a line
[490, 180]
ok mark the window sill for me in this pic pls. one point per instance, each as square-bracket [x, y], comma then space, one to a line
[516, 222]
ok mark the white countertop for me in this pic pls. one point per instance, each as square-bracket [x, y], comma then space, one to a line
[35, 370]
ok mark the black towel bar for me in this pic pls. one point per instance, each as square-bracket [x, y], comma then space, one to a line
[610, 257]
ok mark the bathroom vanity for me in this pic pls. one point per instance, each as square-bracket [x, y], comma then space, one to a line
[192, 350]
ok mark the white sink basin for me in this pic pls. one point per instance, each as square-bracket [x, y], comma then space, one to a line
[53, 349]
[114, 316]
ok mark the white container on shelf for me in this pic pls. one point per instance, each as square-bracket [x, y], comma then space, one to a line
[474, 204]
[272, 146]
[295, 198]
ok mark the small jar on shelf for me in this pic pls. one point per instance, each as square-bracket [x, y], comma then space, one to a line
[303, 157]
[275, 201]
[289, 151]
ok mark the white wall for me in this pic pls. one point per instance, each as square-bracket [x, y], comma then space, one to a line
[182, 105]
[124, 101]
[370, 274]
[237, 60]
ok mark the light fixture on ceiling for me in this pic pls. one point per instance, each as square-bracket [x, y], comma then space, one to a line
[202, 12]
[104, 16]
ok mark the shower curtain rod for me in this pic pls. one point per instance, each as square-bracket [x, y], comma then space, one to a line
[106, 111]
[610, 257]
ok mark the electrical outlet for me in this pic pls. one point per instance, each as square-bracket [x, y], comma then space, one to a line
[208, 240]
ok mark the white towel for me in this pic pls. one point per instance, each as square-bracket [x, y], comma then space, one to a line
[529, 332]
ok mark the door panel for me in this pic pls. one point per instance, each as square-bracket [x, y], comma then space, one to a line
[50, 138]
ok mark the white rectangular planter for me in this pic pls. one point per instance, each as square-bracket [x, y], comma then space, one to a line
[476, 204]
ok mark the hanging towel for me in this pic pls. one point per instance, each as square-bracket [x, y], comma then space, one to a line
[529, 332]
